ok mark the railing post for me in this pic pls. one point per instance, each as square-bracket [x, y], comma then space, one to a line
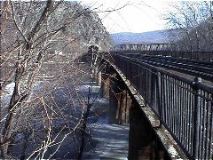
[126, 69]
[159, 103]
[197, 80]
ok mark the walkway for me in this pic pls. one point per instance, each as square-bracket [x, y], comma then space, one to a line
[110, 141]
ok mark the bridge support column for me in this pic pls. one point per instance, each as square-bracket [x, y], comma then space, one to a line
[120, 100]
[113, 97]
[105, 85]
[99, 78]
[97, 75]
[123, 107]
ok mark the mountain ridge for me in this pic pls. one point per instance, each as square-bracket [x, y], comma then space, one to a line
[157, 36]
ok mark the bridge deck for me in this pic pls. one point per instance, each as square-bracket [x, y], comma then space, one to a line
[179, 94]
[178, 66]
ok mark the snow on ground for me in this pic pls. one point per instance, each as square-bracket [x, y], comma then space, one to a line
[8, 91]
[86, 88]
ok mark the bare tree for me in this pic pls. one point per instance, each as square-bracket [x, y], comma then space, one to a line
[39, 43]
[193, 21]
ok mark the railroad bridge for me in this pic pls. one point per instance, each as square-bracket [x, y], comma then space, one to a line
[166, 98]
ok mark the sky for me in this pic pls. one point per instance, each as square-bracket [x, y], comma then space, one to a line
[135, 16]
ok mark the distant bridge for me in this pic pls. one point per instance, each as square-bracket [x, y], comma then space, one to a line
[165, 97]
[165, 49]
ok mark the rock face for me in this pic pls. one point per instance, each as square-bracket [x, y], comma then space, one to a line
[85, 29]
[91, 30]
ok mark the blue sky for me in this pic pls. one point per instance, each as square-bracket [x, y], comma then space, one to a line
[137, 15]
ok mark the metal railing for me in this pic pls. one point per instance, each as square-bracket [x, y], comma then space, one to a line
[183, 105]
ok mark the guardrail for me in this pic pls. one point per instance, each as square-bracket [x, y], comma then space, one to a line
[184, 106]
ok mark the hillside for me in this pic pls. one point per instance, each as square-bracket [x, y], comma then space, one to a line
[160, 36]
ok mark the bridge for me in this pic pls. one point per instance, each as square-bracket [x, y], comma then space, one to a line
[166, 100]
